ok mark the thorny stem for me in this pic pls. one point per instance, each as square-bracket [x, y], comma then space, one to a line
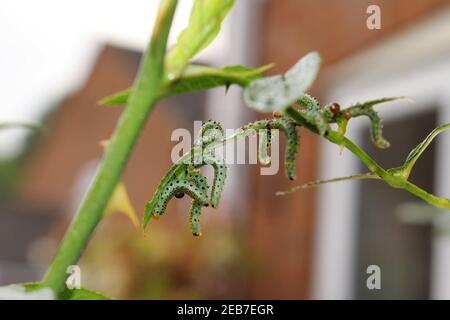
[148, 83]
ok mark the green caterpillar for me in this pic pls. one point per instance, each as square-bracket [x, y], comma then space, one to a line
[185, 181]
[185, 177]
[333, 113]
[198, 178]
[178, 187]
[210, 132]
[265, 142]
[376, 125]
[313, 114]
[220, 175]
[288, 127]
[196, 206]
[194, 218]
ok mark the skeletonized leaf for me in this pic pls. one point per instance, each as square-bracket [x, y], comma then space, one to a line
[280, 91]
[196, 78]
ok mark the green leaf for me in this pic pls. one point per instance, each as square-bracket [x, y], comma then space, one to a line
[372, 103]
[280, 91]
[420, 148]
[204, 25]
[196, 78]
[175, 170]
[83, 294]
[67, 294]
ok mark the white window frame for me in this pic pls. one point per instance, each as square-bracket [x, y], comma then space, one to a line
[427, 82]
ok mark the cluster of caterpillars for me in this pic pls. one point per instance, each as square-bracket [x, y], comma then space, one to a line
[264, 129]
[185, 176]
[332, 113]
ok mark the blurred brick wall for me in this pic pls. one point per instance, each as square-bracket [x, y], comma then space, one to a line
[281, 228]
[79, 124]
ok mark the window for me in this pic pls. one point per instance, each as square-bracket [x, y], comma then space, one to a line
[402, 251]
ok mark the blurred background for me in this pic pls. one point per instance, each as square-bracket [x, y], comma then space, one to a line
[58, 58]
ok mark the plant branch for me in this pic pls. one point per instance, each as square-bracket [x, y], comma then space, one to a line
[317, 183]
[393, 177]
[430, 198]
[149, 82]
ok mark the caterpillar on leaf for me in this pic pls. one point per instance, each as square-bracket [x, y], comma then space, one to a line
[185, 177]
[210, 132]
[178, 187]
[194, 218]
[313, 114]
[333, 113]
[366, 109]
[288, 127]
[220, 175]
[265, 142]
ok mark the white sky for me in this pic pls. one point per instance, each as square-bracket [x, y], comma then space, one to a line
[47, 48]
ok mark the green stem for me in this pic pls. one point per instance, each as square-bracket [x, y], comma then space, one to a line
[142, 100]
[317, 183]
[339, 139]
[430, 198]
[395, 181]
